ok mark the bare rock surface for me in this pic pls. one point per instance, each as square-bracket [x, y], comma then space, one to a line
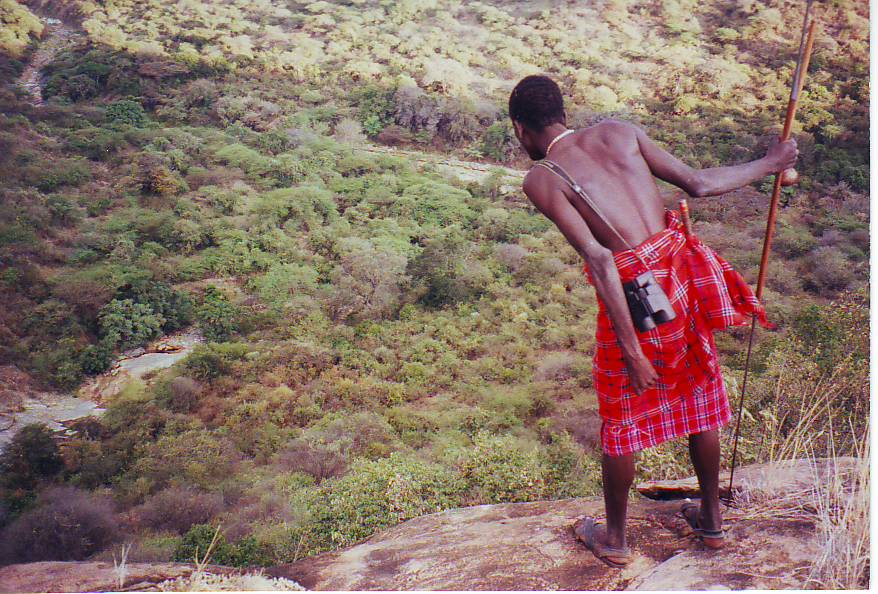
[754, 480]
[160, 354]
[86, 576]
[771, 544]
[763, 555]
[59, 411]
[511, 546]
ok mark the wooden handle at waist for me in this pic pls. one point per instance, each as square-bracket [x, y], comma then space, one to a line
[684, 214]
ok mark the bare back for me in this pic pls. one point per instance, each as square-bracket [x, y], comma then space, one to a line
[605, 160]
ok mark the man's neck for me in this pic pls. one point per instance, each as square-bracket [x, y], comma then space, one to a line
[549, 134]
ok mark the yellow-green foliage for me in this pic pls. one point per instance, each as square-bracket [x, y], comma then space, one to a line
[18, 26]
[589, 46]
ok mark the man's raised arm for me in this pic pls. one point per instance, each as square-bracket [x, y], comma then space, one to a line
[713, 180]
[608, 284]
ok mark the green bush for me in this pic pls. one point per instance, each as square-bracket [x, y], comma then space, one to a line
[499, 142]
[98, 144]
[217, 317]
[375, 494]
[285, 284]
[29, 459]
[127, 113]
[792, 242]
[447, 272]
[173, 306]
[58, 364]
[242, 553]
[307, 206]
[66, 172]
[435, 204]
[63, 209]
[99, 357]
[497, 469]
[209, 361]
[127, 324]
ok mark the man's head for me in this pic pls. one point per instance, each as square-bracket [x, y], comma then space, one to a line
[534, 104]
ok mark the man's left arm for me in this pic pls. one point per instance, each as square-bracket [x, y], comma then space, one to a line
[712, 181]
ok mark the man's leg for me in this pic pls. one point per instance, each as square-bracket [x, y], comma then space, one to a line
[704, 450]
[618, 474]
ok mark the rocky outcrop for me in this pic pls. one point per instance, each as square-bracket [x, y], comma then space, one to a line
[755, 480]
[137, 363]
[60, 576]
[771, 544]
[61, 412]
[531, 546]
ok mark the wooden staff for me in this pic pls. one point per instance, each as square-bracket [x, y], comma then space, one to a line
[806, 43]
[684, 214]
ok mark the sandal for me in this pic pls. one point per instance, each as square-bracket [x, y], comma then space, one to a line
[585, 530]
[715, 539]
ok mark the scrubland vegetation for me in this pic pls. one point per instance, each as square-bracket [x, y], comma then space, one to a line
[382, 341]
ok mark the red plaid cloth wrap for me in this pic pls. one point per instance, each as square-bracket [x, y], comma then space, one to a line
[689, 395]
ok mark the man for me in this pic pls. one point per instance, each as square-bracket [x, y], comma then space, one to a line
[665, 382]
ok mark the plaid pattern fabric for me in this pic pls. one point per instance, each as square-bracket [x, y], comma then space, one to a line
[707, 408]
[707, 294]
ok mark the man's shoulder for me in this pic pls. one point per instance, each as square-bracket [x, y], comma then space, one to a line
[532, 179]
[616, 127]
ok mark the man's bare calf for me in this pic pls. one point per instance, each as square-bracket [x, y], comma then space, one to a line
[618, 475]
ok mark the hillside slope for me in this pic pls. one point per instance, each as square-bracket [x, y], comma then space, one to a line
[325, 194]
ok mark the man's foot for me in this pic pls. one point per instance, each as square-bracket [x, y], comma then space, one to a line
[711, 533]
[594, 537]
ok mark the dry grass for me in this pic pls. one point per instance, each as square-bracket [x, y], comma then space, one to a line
[208, 582]
[835, 498]
[120, 566]
[784, 441]
[834, 495]
[841, 500]
[201, 580]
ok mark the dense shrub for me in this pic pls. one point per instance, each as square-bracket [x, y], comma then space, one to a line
[177, 509]
[67, 524]
[368, 282]
[209, 361]
[217, 317]
[183, 394]
[127, 324]
[447, 272]
[195, 457]
[126, 112]
[95, 143]
[379, 493]
[826, 270]
[173, 306]
[82, 72]
[30, 458]
[497, 469]
[154, 176]
[320, 460]
[67, 172]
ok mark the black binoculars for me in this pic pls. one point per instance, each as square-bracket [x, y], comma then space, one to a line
[647, 301]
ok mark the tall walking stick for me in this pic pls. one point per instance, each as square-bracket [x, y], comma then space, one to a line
[786, 177]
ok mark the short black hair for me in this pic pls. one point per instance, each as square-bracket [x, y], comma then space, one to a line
[536, 102]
